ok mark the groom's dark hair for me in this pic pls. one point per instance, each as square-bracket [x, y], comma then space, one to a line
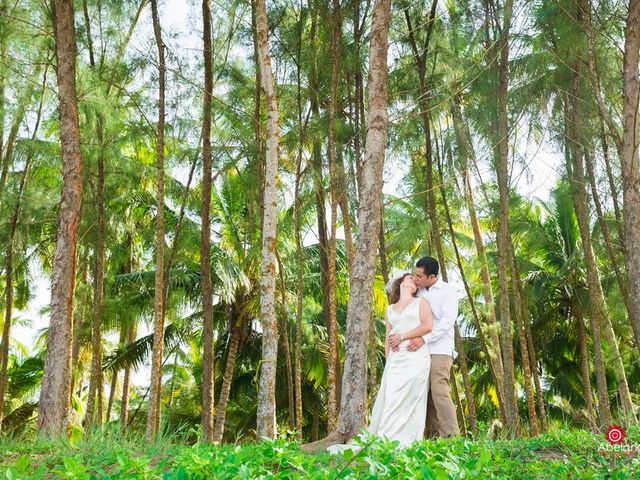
[429, 265]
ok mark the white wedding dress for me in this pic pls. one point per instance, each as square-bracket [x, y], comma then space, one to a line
[400, 409]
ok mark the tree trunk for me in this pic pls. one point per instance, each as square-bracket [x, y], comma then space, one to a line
[596, 298]
[286, 351]
[584, 370]
[521, 313]
[629, 161]
[153, 417]
[114, 376]
[474, 315]
[627, 144]
[466, 380]
[332, 401]
[126, 382]
[471, 403]
[606, 235]
[463, 141]
[536, 379]
[95, 379]
[94, 417]
[8, 263]
[266, 417]
[596, 295]
[358, 121]
[612, 185]
[297, 207]
[354, 386]
[13, 134]
[235, 332]
[55, 392]
[208, 375]
[502, 171]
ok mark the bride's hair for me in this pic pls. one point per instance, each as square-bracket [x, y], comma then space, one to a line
[394, 294]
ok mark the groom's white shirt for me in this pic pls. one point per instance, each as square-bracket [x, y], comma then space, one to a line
[443, 299]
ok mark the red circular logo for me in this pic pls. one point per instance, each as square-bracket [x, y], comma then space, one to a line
[615, 435]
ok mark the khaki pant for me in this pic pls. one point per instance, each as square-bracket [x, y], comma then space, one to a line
[441, 413]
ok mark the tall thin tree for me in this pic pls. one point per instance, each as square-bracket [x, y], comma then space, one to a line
[353, 402]
[208, 368]
[266, 418]
[55, 393]
[153, 417]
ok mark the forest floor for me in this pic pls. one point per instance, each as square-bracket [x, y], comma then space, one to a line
[562, 454]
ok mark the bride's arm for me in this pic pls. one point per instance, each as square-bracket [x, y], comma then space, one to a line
[426, 324]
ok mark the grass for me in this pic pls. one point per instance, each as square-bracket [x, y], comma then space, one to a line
[562, 454]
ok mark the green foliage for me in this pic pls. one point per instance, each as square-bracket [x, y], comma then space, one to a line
[563, 454]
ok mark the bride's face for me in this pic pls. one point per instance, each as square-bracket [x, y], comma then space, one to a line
[409, 284]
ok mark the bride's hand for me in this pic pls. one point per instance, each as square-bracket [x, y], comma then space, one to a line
[395, 340]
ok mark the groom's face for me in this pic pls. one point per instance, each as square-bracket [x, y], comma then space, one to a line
[422, 279]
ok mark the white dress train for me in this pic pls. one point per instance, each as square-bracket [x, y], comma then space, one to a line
[400, 409]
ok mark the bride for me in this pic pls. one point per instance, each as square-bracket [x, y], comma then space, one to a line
[400, 409]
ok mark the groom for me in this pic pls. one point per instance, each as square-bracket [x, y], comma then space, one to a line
[441, 413]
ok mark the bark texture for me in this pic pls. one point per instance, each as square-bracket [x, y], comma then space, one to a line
[153, 417]
[208, 360]
[266, 416]
[55, 393]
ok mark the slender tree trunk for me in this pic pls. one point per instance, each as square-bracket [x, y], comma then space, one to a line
[55, 392]
[94, 417]
[80, 323]
[420, 58]
[153, 417]
[612, 185]
[324, 241]
[18, 118]
[536, 379]
[630, 162]
[627, 144]
[466, 380]
[458, 402]
[521, 314]
[266, 419]
[130, 337]
[258, 130]
[286, 351]
[606, 235]
[297, 207]
[354, 387]
[235, 332]
[474, 312]
[358, 120]
[584, 370]
[126, 382]
[208, 361]
[437, 240]
[463, 141]
[8, 263]
[114, 376]
[332, 401]
[502, 171]
[596, 298]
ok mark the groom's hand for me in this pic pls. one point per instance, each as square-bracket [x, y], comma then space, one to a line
[415, 344]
